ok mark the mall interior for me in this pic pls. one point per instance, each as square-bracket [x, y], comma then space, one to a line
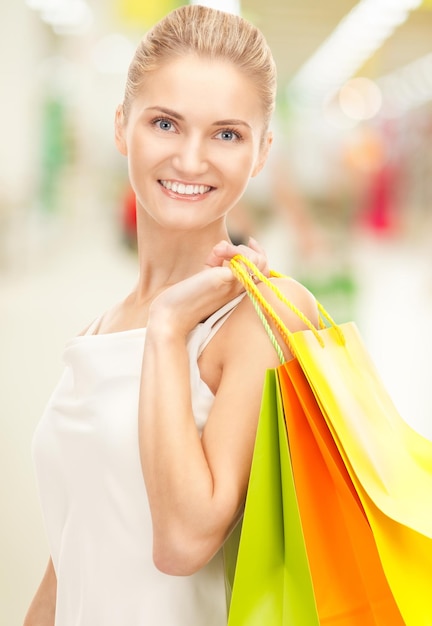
[344, 203]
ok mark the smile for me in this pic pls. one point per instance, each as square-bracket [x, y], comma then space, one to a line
[187, 190]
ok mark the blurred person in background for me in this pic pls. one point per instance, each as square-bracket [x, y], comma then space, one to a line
[144, 451]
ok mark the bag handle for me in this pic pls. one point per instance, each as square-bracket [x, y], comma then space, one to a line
[240, 265]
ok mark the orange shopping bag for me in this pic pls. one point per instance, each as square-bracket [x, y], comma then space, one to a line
[349, 583]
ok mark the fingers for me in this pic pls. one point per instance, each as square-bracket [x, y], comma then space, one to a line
[261, 260]
[218, 254]
[253, 243]
[224, 251]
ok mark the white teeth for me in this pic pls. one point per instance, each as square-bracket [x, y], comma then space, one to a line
[187, 190]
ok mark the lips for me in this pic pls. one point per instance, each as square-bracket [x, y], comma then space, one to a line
[185, 189]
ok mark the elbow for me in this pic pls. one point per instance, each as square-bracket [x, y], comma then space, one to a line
[184, 556]
[175, 565]
[182, 547]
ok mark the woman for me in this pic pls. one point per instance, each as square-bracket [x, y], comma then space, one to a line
[144, 451]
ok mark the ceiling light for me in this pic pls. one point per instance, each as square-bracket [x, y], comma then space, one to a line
[363, 30]
[65, 16]
[408, 87]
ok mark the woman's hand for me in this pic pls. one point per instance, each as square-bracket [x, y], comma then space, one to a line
[224, 251]
[180, 308]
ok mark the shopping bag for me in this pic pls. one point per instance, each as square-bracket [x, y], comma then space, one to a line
[389, 464]
[349, 582]
[272, 584]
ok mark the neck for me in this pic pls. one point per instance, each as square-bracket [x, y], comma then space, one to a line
[167, 257]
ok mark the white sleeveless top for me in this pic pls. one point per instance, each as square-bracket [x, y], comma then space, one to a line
[93, 496]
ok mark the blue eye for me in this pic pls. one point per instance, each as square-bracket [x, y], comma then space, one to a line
[164, 124]
[229, 135]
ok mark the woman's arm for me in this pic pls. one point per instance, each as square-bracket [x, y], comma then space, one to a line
[196, 486]
[42, 609]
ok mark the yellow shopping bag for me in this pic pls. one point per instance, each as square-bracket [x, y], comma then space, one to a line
[384, 457]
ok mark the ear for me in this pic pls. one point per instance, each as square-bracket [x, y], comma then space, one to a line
[263, 153]
[119, 126]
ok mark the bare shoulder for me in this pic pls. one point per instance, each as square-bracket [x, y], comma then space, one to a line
[296, 294]
[289, 299]
[245, 334]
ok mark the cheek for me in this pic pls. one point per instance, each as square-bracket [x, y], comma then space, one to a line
[142, 156]
[239, 172]
[241, 168]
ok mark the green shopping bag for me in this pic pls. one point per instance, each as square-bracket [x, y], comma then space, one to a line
[272, 583]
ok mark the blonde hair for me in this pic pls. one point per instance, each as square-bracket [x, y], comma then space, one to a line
[211, 33]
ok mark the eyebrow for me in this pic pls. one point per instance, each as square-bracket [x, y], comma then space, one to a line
[232, 122]
[177, 116]
[169, 112]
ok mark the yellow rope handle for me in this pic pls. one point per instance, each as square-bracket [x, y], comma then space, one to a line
[242, 275]
[279, 294]
[323, 312]
[239, 263]
[322, 324]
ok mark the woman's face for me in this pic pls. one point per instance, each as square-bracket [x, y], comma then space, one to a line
[193, 138]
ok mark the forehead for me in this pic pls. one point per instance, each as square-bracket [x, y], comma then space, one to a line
[207, 88]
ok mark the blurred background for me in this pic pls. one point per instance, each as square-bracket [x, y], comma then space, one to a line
[344, 203]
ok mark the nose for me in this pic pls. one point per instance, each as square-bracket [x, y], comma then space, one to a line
[191, 158]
